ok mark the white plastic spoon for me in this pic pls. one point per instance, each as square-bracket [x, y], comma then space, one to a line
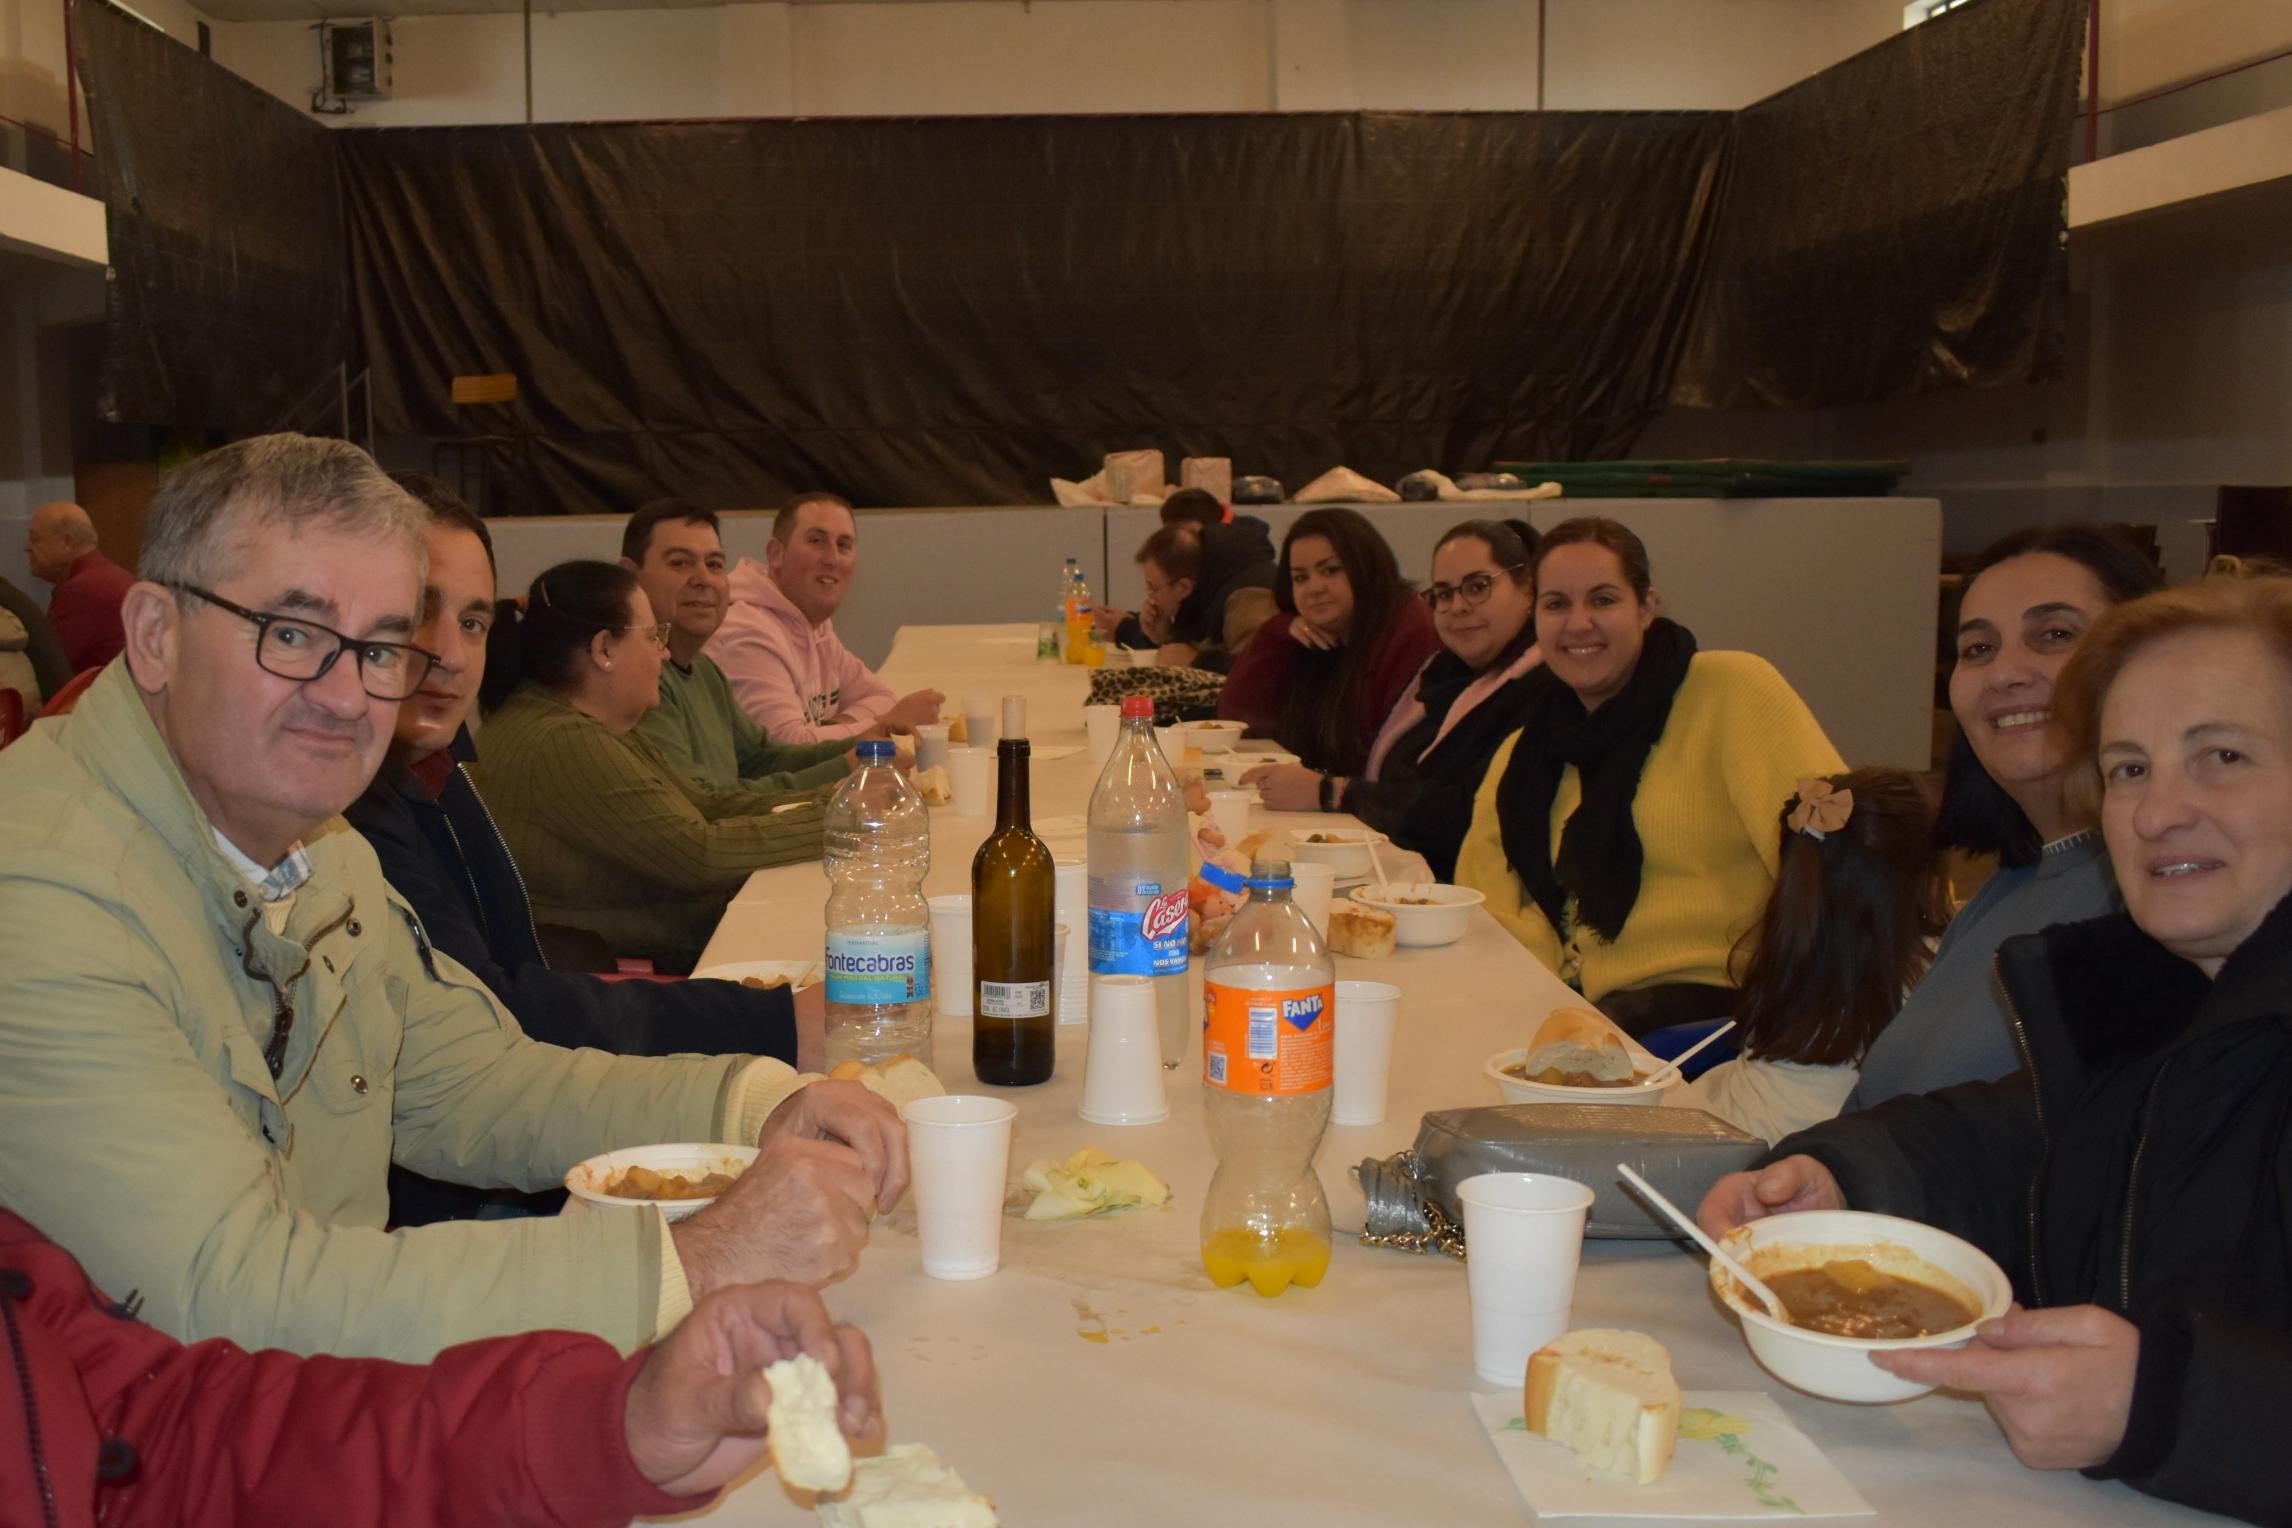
[1686, 1223]
[1670, 1069]
[1384, 887]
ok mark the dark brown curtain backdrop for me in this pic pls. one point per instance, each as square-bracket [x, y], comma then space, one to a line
[954, 310]
[228, 302]
[1897, 223]
[951, 311]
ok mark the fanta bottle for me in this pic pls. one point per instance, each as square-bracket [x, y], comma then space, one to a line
[1268, 1043]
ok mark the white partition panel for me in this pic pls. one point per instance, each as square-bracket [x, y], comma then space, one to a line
[1839, 594]
[918, 567]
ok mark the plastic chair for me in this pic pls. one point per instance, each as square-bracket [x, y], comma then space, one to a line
[1664, 1044]
[61, 703]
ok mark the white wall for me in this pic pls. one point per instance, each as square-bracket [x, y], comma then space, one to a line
[990, 57]
[32, 56]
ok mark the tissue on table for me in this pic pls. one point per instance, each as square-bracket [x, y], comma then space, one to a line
[1091, 1182]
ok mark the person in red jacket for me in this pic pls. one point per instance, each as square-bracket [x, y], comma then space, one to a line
[103, 1419]
[60, 545]
[1321, 676]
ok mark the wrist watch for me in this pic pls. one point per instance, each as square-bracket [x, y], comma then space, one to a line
[1329, 793]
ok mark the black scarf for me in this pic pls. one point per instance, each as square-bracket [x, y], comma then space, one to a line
[1600, 856]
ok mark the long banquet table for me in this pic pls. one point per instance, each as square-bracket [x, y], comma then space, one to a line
[1099, 1378]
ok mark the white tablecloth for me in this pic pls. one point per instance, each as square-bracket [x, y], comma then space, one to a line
[1100, 1379]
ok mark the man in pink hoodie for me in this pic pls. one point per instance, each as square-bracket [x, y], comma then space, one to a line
[778, 645]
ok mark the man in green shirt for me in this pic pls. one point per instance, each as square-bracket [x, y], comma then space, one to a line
[677, 552]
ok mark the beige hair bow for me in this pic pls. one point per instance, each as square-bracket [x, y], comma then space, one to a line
[1822, 810]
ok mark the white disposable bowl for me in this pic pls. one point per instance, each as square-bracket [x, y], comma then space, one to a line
[1518, 1090]
[1416, 925]
[1839, 1368]
[1350, 858]
[691, 1159]
[1211, 736]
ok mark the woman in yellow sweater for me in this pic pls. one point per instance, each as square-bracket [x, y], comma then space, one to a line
[1627, 833]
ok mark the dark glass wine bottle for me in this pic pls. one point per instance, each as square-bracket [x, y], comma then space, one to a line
[1014, 888]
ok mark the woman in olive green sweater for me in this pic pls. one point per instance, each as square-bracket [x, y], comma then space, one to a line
[611, 836]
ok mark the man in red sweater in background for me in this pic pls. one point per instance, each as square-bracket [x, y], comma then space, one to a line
[61, 547]
[104, 1419]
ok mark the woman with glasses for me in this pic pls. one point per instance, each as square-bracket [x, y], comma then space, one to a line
[1427, 759]
[612, 838]
[1322, 674]
[1628, 834]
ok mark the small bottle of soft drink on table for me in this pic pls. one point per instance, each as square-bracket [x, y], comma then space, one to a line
[1268, 1049]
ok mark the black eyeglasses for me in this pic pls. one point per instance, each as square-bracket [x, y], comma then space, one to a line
[301, 650]
[1472, 589]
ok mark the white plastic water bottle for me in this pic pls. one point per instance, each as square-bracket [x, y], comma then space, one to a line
[1052, 643]
[1138, 864]
[878, 849]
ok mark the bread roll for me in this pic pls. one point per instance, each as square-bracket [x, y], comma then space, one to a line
[1579, 1040]
[933, 785]
[1366, 933]
[1610, 1396]
[808, 1447]
[906, 1487]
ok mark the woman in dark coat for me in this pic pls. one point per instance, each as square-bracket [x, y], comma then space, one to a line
[2135, 1178]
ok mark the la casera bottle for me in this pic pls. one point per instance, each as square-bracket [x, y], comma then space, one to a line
[1014, 889]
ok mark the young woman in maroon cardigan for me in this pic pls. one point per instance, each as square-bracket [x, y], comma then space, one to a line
[1321, 676]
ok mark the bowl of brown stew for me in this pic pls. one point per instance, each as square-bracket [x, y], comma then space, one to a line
[1855, 1284]
[681, 1178]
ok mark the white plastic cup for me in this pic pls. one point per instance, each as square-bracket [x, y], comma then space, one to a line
[1058, 971]
[969, 770]
[959, 1150]
[930, 744]
[981, 720]
[1230, 811]
[1102, 725]
[1523, 1240]
[1173, 744]
[1122, 1071]
[1071, 906]
[951, 954]
[1313, 884]
[1365, 1015]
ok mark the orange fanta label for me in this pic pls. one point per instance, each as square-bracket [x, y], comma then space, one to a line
[1278, 1042]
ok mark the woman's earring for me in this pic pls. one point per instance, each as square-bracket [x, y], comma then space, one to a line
[607, 663]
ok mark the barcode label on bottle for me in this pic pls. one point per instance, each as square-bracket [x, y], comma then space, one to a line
[1217, 1067]
[1014, 1000]
[1264, 1033]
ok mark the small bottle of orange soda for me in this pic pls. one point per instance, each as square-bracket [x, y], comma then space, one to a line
[1268, 1044]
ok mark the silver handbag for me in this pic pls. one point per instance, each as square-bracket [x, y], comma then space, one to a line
[1412, 1196]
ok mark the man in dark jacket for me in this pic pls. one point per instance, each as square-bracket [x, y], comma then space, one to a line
[439, 847]
[2135, 1181]
[107, 1420]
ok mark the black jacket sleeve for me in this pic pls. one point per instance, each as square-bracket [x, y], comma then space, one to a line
[2207, 1416]
[570, 1008]
[1962, 1159]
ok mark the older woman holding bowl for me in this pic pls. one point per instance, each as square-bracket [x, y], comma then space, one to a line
[1628, 833]
[1428, 758]
[2026, 603]
[2136, 1178]
[611, 836]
